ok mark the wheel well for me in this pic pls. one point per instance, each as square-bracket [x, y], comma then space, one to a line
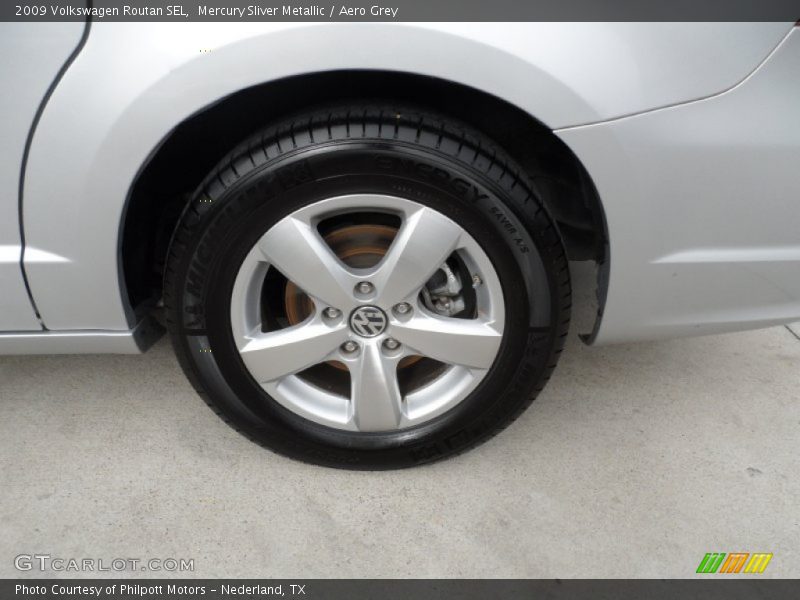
[197, 144]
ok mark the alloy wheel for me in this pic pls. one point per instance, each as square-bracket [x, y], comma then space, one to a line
[388, 313]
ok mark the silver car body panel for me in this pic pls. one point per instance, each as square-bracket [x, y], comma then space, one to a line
[133, 83]
[32, 55]
[133, 341]
[703, 208]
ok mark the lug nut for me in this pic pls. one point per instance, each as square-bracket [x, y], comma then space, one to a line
[349, 347]
[365, 287]
[403, 308]
[391, 344]
[332, 313]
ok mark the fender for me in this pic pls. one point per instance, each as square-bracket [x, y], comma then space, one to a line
[132, 84]
[707, 195]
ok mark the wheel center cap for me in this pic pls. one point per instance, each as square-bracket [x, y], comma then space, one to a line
[368, 321]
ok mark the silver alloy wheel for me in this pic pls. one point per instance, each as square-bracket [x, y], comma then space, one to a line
[425, 240]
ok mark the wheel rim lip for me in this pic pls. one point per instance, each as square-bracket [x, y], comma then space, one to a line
[305, 399]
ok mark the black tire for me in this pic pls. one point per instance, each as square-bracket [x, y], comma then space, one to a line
[360, 149]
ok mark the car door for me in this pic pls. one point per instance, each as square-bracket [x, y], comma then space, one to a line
[34, 54]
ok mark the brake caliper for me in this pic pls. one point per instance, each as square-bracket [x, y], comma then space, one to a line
[442, 293]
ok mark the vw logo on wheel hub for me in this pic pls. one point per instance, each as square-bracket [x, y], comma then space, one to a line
[368, 321]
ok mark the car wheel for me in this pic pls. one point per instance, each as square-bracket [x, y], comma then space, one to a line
[367, 287]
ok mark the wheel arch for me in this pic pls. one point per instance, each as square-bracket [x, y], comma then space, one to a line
[190, 150]
[103, 137]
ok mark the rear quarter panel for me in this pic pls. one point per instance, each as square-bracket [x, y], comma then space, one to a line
[133, 83]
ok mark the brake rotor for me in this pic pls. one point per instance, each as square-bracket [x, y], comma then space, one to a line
[357, 246]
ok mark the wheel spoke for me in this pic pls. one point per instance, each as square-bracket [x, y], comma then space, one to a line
[375, 396]
[423, 243]
[297, 250]
[276, 354]
[470, 343]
